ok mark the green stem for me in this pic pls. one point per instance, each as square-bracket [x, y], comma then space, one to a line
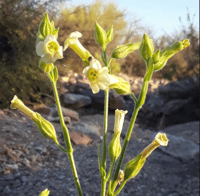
[67, 139]
[120, 188]
[110, 170]
[103, 180]
[138, 105]
[133, 97]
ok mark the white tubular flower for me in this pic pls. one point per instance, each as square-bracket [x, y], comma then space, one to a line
[99, 77]
[119, 120]
[49, 49]
[17, 103]
[160, 140]
[73, 42]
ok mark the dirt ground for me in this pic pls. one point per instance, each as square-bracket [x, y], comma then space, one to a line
[30, 163]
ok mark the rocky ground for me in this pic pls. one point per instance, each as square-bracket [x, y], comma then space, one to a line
[30, 163]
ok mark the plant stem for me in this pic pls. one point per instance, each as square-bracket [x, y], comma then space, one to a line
[138, 105]
[120, 188]
[103, 180]
[67, 139]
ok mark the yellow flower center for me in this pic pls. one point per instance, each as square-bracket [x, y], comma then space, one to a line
[52, 47]
[92, 74]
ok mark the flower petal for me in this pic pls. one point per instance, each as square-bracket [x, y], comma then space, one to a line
[86, 70]
[113, 80]
[104, 78]
[47, 58]
[103, 70]
[95, 64]
[40, 49]
[102, 86]
[94, 87]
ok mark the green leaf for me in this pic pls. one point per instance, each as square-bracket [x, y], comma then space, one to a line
[123, 50]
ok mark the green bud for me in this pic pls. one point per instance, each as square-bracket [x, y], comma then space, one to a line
[114, 148]
[122, 87]
[46, 67]
[55, 32]
[123, 50]
[156, 56]
[45, 193]
[109, 34]
[45, 28]
[146, 48]
[168, 52]
[133, 167]
[46, 128]
[100, 36]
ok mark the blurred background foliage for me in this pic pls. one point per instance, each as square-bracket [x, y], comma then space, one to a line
[19, 22]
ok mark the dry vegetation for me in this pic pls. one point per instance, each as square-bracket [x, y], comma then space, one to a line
[19, 21]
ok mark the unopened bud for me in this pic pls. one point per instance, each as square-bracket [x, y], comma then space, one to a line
[123, 50]
[146, 48]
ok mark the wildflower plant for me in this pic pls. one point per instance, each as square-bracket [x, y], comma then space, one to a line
[100, 78]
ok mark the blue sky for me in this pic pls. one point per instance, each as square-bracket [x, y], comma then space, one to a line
[162, 16]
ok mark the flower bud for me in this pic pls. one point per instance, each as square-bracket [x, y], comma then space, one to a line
[120, 176]
[100, 36]
[45, 127]
[123, 50]
[122, 87]
[168, 52]
[73, 42]
[119, 120]
[160, 139]
[114, 148]
[46, 67]
[156, 56]
[45, 28]
[133, 167]
[109, 34]
[45, 192]
[146, 48]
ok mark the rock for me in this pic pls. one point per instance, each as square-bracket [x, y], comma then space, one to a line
[57, 119]
[41, 108]
[175, 103]
[12, 166]
[180, 148]
[90, 129]
[75, 100]
[116, 101]
[73, 115]
[188, 131]
[80, 139]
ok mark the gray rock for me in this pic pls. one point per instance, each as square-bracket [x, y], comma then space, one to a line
[75, 100]
[24, 179]
[180, 148]
[88, 128]
[188, 131]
